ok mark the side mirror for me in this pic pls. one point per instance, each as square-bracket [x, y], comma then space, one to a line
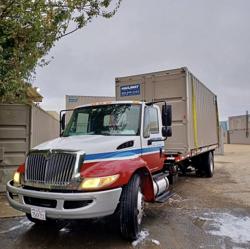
[167, 131]
[166, 115]
[62, 123]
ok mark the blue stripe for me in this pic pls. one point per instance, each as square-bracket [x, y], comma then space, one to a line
[116, 154]
[150, 149]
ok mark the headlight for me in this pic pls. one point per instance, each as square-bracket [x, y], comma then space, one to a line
[17, 178]
[98, 182]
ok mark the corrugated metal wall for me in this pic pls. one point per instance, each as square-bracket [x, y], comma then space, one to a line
[14, 138]
[239, 129]
[43, 126]
[21, 128]
[239, 137]
[238, 122]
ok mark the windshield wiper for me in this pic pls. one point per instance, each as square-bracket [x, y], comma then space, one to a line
[105, 134]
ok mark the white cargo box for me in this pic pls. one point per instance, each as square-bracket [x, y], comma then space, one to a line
[195, 112]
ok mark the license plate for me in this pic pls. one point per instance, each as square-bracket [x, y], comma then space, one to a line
[38, 213]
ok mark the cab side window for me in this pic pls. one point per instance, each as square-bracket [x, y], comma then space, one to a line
[151, 122]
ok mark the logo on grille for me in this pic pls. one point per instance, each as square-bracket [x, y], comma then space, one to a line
[48, 155]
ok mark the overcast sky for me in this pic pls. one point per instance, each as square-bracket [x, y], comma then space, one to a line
[210, 37]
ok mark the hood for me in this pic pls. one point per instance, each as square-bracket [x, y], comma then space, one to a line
[88, 143]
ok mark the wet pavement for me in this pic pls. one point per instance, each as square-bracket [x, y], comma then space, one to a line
[171, 228]
[203, 213]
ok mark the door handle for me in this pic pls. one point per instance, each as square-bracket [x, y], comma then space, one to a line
[157, 139]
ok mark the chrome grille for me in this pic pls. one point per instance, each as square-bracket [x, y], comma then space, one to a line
[54, 168]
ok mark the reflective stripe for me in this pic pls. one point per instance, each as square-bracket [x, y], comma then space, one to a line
[119, 154]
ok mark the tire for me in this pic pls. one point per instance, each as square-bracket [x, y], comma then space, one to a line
[131, 209]
[49, 223]
[208, 164]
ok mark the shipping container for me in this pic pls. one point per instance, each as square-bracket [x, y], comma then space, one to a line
[239, 136]
[239, 129]
[72, 101]
[239, 122]
[195, 113]
[21, 128]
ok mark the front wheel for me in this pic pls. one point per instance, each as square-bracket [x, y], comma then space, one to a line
[131, 209]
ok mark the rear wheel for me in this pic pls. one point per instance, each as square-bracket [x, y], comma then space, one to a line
[131, 209]
[204, 164]
[209, 164]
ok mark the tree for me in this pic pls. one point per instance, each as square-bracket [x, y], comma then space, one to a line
[30, 28]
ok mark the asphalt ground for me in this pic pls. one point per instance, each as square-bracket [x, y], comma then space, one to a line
[203, 213]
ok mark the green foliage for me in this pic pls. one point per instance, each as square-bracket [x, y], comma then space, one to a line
[30, 28]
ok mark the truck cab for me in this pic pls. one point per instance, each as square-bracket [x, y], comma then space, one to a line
[109, 159]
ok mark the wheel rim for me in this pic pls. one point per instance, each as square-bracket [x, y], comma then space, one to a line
[211, 165]
[140, 206]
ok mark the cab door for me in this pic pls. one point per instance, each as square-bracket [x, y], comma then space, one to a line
[152, 151]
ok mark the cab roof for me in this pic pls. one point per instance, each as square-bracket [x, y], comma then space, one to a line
[111, 103]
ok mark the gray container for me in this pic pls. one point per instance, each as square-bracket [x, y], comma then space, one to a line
[73, 101]
[239, 136]
[239, 122]
[195, 112]
[21, 128]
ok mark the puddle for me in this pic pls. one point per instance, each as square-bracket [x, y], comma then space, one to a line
[228, 225]
[176, 201]
[22, 223]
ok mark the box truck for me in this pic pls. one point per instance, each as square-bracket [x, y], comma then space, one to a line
[114, 156]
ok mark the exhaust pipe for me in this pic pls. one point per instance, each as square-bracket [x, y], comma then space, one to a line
[161, 184]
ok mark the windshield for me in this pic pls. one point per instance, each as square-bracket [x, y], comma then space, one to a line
[112, 120]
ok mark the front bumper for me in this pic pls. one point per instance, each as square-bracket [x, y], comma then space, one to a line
[99, 204]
